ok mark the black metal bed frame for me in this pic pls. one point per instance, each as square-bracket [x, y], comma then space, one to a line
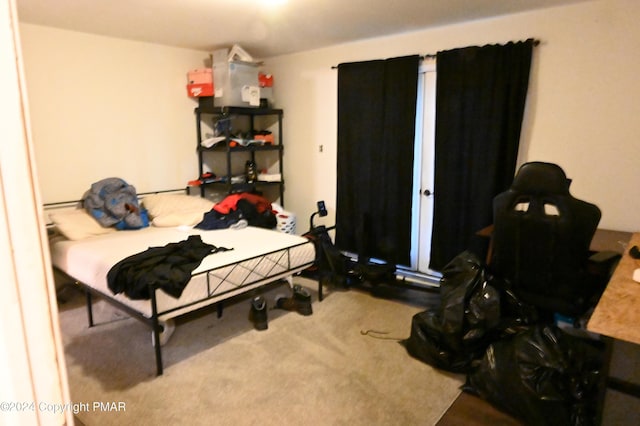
[153, 322]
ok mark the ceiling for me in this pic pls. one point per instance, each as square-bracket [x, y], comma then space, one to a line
[264, 28]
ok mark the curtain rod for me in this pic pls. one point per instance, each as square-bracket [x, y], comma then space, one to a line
[536, 42]
[433, 55]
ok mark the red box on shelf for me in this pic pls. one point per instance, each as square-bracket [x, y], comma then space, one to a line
[200, 82]
[198, 90]
[265, 80]
[200, 76]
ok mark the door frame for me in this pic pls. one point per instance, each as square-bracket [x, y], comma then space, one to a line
[423, 167]
[32, 365]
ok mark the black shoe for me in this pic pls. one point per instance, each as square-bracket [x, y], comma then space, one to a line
[299, 302]
[303, 299]
[258, 314]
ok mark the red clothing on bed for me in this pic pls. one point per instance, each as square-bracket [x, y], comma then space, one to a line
[230, 203]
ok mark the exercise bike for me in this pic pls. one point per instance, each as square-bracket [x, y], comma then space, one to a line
[333, 267]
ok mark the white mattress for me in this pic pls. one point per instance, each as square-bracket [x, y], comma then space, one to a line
[259, 256]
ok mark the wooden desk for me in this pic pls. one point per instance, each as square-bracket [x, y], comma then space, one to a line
[616, 314]
[608, 240]
[616, 317]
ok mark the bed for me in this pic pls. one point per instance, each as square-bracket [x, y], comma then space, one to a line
[257, 257]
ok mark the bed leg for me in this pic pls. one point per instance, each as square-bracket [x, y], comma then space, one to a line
[156, 331]
[89, 308]
[156, 346]
[219, 308]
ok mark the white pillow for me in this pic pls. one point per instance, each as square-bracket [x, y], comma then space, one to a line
[176, 209]
[191, 218]
[78, 224]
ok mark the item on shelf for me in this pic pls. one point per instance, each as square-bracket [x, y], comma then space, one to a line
[235, 80]
[207, 177]
[265, 136]
[245, 143]
[223, 126]
[265, 80]
[251, 171]
[200, 83]
[270, 177]
[266, 89]
[209, 142]
[237, 53]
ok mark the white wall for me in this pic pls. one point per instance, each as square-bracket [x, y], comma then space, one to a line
[582, 111]
[102, 106]
[105, 107]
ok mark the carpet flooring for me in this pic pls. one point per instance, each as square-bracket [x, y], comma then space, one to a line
[343, 365]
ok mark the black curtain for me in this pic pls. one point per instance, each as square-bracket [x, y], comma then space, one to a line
[480, 100]
[376, 133]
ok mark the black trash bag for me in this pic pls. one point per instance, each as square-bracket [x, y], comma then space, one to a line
[469, 305]
[466, 322]
[428, 343]
[543, 376]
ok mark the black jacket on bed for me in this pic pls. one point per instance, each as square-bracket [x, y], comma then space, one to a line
[168, 268]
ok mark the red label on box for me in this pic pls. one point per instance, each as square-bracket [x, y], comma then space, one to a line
[198, 90]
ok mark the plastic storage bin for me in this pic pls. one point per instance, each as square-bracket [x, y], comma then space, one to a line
[236, 84]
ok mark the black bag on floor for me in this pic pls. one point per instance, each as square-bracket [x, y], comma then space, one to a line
[429, 343]
[542, 376]
[468, 317]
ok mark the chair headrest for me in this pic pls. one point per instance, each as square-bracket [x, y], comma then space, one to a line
[541, 178]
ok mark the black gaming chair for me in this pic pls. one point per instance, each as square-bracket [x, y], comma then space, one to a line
[541, 242]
